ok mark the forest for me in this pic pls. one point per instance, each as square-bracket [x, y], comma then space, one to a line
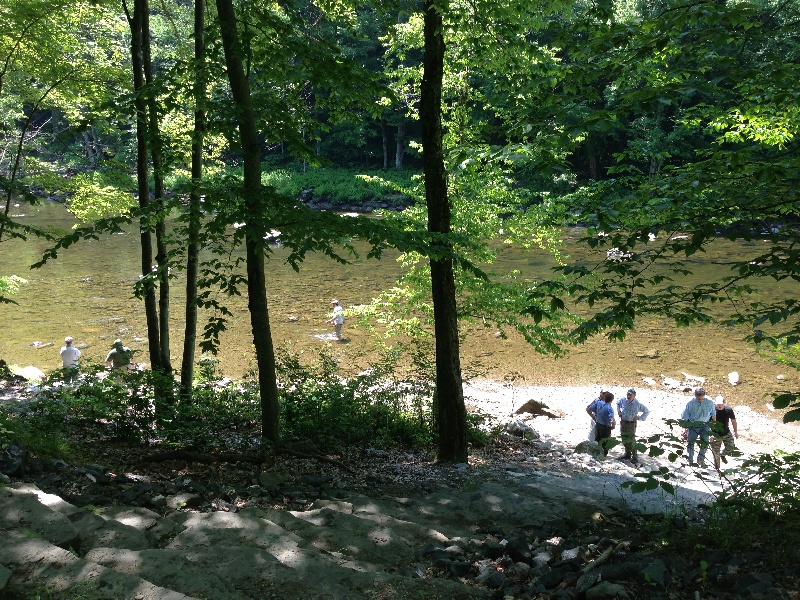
[460, 125]
[631, 118]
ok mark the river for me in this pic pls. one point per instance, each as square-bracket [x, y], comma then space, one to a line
[87, 293]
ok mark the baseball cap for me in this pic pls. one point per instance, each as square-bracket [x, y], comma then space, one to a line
[632, 392]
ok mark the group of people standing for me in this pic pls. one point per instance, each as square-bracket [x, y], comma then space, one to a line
[701, 418]
[629, 410]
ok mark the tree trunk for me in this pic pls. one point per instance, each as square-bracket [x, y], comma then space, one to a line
[137, 61]
[193, 241]
[163, 384]
[400, 143]
[256, 281]
[385, 141]
[451, 415]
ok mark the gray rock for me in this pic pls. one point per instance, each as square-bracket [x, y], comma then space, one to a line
[605, 590]
[491, 578]
[586, 581]
[12, 457]
[755, 585]
[518, 549]
[656, 574]
[5, 575]
[460, 568]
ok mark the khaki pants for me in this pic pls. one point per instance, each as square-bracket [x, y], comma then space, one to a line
[628, 432]
[716, 444]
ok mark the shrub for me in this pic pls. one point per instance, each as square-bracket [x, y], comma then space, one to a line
[369, 408]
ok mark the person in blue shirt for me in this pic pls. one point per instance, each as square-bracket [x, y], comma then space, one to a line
[604, 417]
[591, 410]
[695, 419]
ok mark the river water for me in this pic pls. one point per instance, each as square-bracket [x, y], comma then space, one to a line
[87, 293]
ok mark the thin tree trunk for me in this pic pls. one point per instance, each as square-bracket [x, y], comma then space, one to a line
[193, 241]
[400, 145]
[158, 193]
[451, 414]
[137, 60]
[385, 141]
[256, 280]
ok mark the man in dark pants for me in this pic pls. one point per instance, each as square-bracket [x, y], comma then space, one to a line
[604, 417]
[721, 433]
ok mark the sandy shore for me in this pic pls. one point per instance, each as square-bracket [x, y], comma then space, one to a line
[757, 432]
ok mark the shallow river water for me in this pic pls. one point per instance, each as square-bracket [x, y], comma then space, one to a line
[87, 293]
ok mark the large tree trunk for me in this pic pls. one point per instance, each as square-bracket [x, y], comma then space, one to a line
[451, 415]
[163, 384]
[151, 310]
[193, 241]
[256, 281]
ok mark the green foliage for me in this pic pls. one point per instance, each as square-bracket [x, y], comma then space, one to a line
[370, 408]
[9, 285]
[763, 493]
[42, 443]
[222, 414]
[101, 194]
[122, 404]
[342, 186]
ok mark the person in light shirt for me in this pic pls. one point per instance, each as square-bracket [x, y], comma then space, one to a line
[695, 419]
[337, 319]
[69, 359]
[630, 411]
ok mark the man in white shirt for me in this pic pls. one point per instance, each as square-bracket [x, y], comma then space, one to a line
[69, 359]
[695, 417]
[337, 319]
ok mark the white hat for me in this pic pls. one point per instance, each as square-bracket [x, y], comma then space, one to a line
[118, 342]
[334, 302]
[719, 400]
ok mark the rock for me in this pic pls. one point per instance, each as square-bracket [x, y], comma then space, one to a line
[687, 377]
[491, 578]
[755, 585]
[460, 568]
[30, 373]
[607, 590]
[11, 459]
[5, 575]
[734, 378]
[536, 408]
[781, 377]
[656, 574]
[518, 549]
[590, 448]
[650, 381]
[518, 428]
[652, 354]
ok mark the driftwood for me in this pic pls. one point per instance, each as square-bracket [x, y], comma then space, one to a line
[603, 558]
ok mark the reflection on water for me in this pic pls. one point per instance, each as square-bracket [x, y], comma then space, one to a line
[87, 293]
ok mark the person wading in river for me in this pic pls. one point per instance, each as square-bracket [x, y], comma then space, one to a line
[119, 358]
[69, 359]
[337, 319]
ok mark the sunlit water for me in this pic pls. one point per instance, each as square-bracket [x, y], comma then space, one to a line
[87, 293]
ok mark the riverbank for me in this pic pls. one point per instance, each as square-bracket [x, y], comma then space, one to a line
[525, 518]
